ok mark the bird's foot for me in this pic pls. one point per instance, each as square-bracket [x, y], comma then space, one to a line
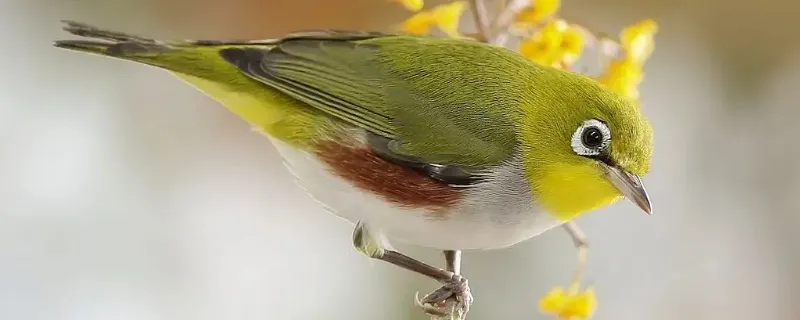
[451, 301]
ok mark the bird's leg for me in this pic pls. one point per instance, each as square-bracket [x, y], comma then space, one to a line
[458, 303]
[579, 239]
[454, 286]
[452, 260]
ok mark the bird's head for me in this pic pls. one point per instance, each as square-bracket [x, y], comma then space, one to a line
[583, 146]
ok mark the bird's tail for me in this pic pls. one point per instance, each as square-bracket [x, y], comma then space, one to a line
[198, 58]
[109, 43]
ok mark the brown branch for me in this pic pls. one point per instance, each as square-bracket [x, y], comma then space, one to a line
[481, 20]
[503, 21]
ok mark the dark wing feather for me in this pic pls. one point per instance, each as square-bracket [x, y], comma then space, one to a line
[325, 85]
[422, 113]
[449, 174]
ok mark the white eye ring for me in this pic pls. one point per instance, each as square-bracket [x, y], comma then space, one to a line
[579, 143]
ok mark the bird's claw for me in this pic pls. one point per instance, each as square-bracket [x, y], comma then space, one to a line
[451, 301]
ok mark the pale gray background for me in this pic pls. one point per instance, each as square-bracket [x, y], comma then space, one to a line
[126, 194]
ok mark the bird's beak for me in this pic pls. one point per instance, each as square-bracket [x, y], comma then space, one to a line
[630, 185]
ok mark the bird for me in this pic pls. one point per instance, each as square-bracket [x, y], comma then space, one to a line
[444, 143]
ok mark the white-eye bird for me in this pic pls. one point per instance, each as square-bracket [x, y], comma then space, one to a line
[439, 142]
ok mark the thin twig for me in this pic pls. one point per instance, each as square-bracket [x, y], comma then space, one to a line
[504, 19]
[501, 4]
[481, 19]
[500, 27]
[579, 239]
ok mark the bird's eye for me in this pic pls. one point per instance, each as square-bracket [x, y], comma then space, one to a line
[591, 138]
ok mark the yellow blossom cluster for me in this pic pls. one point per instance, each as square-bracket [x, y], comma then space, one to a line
[446, 17]
[569, 305]
[624, 73]
[555, 42]
[537, 11]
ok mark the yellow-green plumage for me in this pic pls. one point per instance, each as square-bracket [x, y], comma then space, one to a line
[443, 101]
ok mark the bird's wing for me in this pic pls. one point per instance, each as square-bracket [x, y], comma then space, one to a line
[425, 100]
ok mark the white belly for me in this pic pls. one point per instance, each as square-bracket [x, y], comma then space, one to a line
[501, 216]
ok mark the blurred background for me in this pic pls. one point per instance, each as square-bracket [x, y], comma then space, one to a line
[126, 194]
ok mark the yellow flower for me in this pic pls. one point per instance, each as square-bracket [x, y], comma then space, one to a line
[539, 52]
[571, 45]
[572, 305]
[412, 5]
[537, 11]
[446, 17]
[420, 23]
[623, 76]
[637, 39]
[557, 44]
